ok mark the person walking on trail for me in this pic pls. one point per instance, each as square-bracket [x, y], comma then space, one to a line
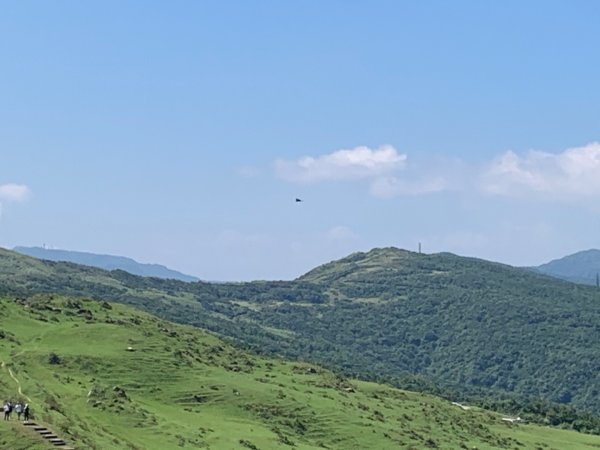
[26, 412]
[19, 410]
[7, 410]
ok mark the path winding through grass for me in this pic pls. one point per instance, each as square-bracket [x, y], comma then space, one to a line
[16, 380]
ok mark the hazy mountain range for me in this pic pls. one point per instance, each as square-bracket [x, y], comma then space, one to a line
[107, 262]
[581, 267]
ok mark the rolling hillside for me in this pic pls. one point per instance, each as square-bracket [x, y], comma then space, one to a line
[480, 329]
[105, 376]
[107, 262]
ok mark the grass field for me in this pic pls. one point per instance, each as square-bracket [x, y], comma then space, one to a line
[105, 376]
[436, 323]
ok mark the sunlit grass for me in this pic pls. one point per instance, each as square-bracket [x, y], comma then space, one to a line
[124, 379]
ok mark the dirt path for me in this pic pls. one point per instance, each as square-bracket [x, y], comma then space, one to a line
[16, 380]
[59, 442]
[463, 407]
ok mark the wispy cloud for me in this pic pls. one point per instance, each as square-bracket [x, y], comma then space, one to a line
[357, 163]
[388, 187]
[571, 174]
[14, 192]
[384, 167]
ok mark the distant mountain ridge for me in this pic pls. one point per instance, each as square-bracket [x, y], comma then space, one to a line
[107, 262]
[581, 267]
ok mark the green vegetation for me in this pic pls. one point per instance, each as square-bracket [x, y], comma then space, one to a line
[477, 329]
[107, 262]
[14, 436]
[106, 376]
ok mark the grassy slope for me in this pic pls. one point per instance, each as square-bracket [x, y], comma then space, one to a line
[108, 262]
[14, 436]
[461, 322]
[183, 388]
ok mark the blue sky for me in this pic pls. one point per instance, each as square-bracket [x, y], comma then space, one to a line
[181, 132]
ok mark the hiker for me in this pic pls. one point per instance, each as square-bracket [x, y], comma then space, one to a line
[26, 412]
[19, 410]
[7, 410]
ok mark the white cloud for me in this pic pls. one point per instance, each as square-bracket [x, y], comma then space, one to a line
[14, 192]
[574, 173]
[357, 163]
[569, 175]
[387, 187]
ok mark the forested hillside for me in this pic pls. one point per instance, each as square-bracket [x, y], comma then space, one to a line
[106, 376]
[475, 327]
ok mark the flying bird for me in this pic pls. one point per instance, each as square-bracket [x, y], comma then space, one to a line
[298, 200]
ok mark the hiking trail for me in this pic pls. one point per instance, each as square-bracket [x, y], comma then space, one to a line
[16, 380]
[44, 432]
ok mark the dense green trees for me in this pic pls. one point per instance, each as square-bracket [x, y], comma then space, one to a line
[476, 329]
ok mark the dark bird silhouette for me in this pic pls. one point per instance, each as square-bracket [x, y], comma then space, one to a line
[298, 200]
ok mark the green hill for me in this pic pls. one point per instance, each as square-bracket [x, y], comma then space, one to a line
[109, 377]
[580, 267]
[479, 328]
[107, 262]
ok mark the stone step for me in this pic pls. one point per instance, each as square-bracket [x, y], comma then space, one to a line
[49, 435]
